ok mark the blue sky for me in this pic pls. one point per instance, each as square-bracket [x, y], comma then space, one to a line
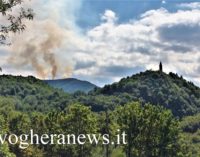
[104, 40]
[88, 15]
[126, 10]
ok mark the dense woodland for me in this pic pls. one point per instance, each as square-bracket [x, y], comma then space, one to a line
[159, 112]
[168, 90]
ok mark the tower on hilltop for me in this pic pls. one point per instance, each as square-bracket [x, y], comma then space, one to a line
[160, 67]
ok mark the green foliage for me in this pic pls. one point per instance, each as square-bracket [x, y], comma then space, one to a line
[31, 94]
[76, 119]
[28, 103]
[80, 120]
[151, 131]
[5, 152]
[191, 124]
[118, 152]
[169, 91]
[4, 148]
[31, 151]
[191, 133]
[20, 124]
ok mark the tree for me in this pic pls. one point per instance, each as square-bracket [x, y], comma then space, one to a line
[20, 124]
[108, 125]
[75, 119]
[14, 22]
[151, 130]
[80, 119]
[128, 118]
[4, 148]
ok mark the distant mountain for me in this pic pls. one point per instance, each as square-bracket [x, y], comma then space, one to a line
[71, 85]
[156, 87]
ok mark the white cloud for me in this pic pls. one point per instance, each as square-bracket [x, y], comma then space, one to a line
[109, 16]
[193, 5]
[158, 35]
[147, 41]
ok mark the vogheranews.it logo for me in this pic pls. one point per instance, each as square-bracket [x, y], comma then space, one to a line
[25, 140]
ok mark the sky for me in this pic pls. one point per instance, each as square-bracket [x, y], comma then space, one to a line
[104, 40]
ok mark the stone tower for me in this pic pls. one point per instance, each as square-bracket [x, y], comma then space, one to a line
[160, 67]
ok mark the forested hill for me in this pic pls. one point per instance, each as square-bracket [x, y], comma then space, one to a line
[32, 94]
[156, 87]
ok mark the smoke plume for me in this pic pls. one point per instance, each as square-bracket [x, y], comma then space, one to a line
[38, 50]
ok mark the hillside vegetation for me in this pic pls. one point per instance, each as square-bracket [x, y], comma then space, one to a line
[168, 90]
[191, 133]
[151, 131]
[28, 103]
[31, 94]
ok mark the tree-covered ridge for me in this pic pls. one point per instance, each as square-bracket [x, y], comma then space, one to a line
[28, 103]
[30, 94]
[155, 87]
[169, 90]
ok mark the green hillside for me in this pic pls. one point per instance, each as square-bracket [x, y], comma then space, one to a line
[158, 88]
[168, 90]
[31, 94]
[71, 85]
[29, 103]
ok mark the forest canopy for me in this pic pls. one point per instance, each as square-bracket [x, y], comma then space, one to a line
[152, 125]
